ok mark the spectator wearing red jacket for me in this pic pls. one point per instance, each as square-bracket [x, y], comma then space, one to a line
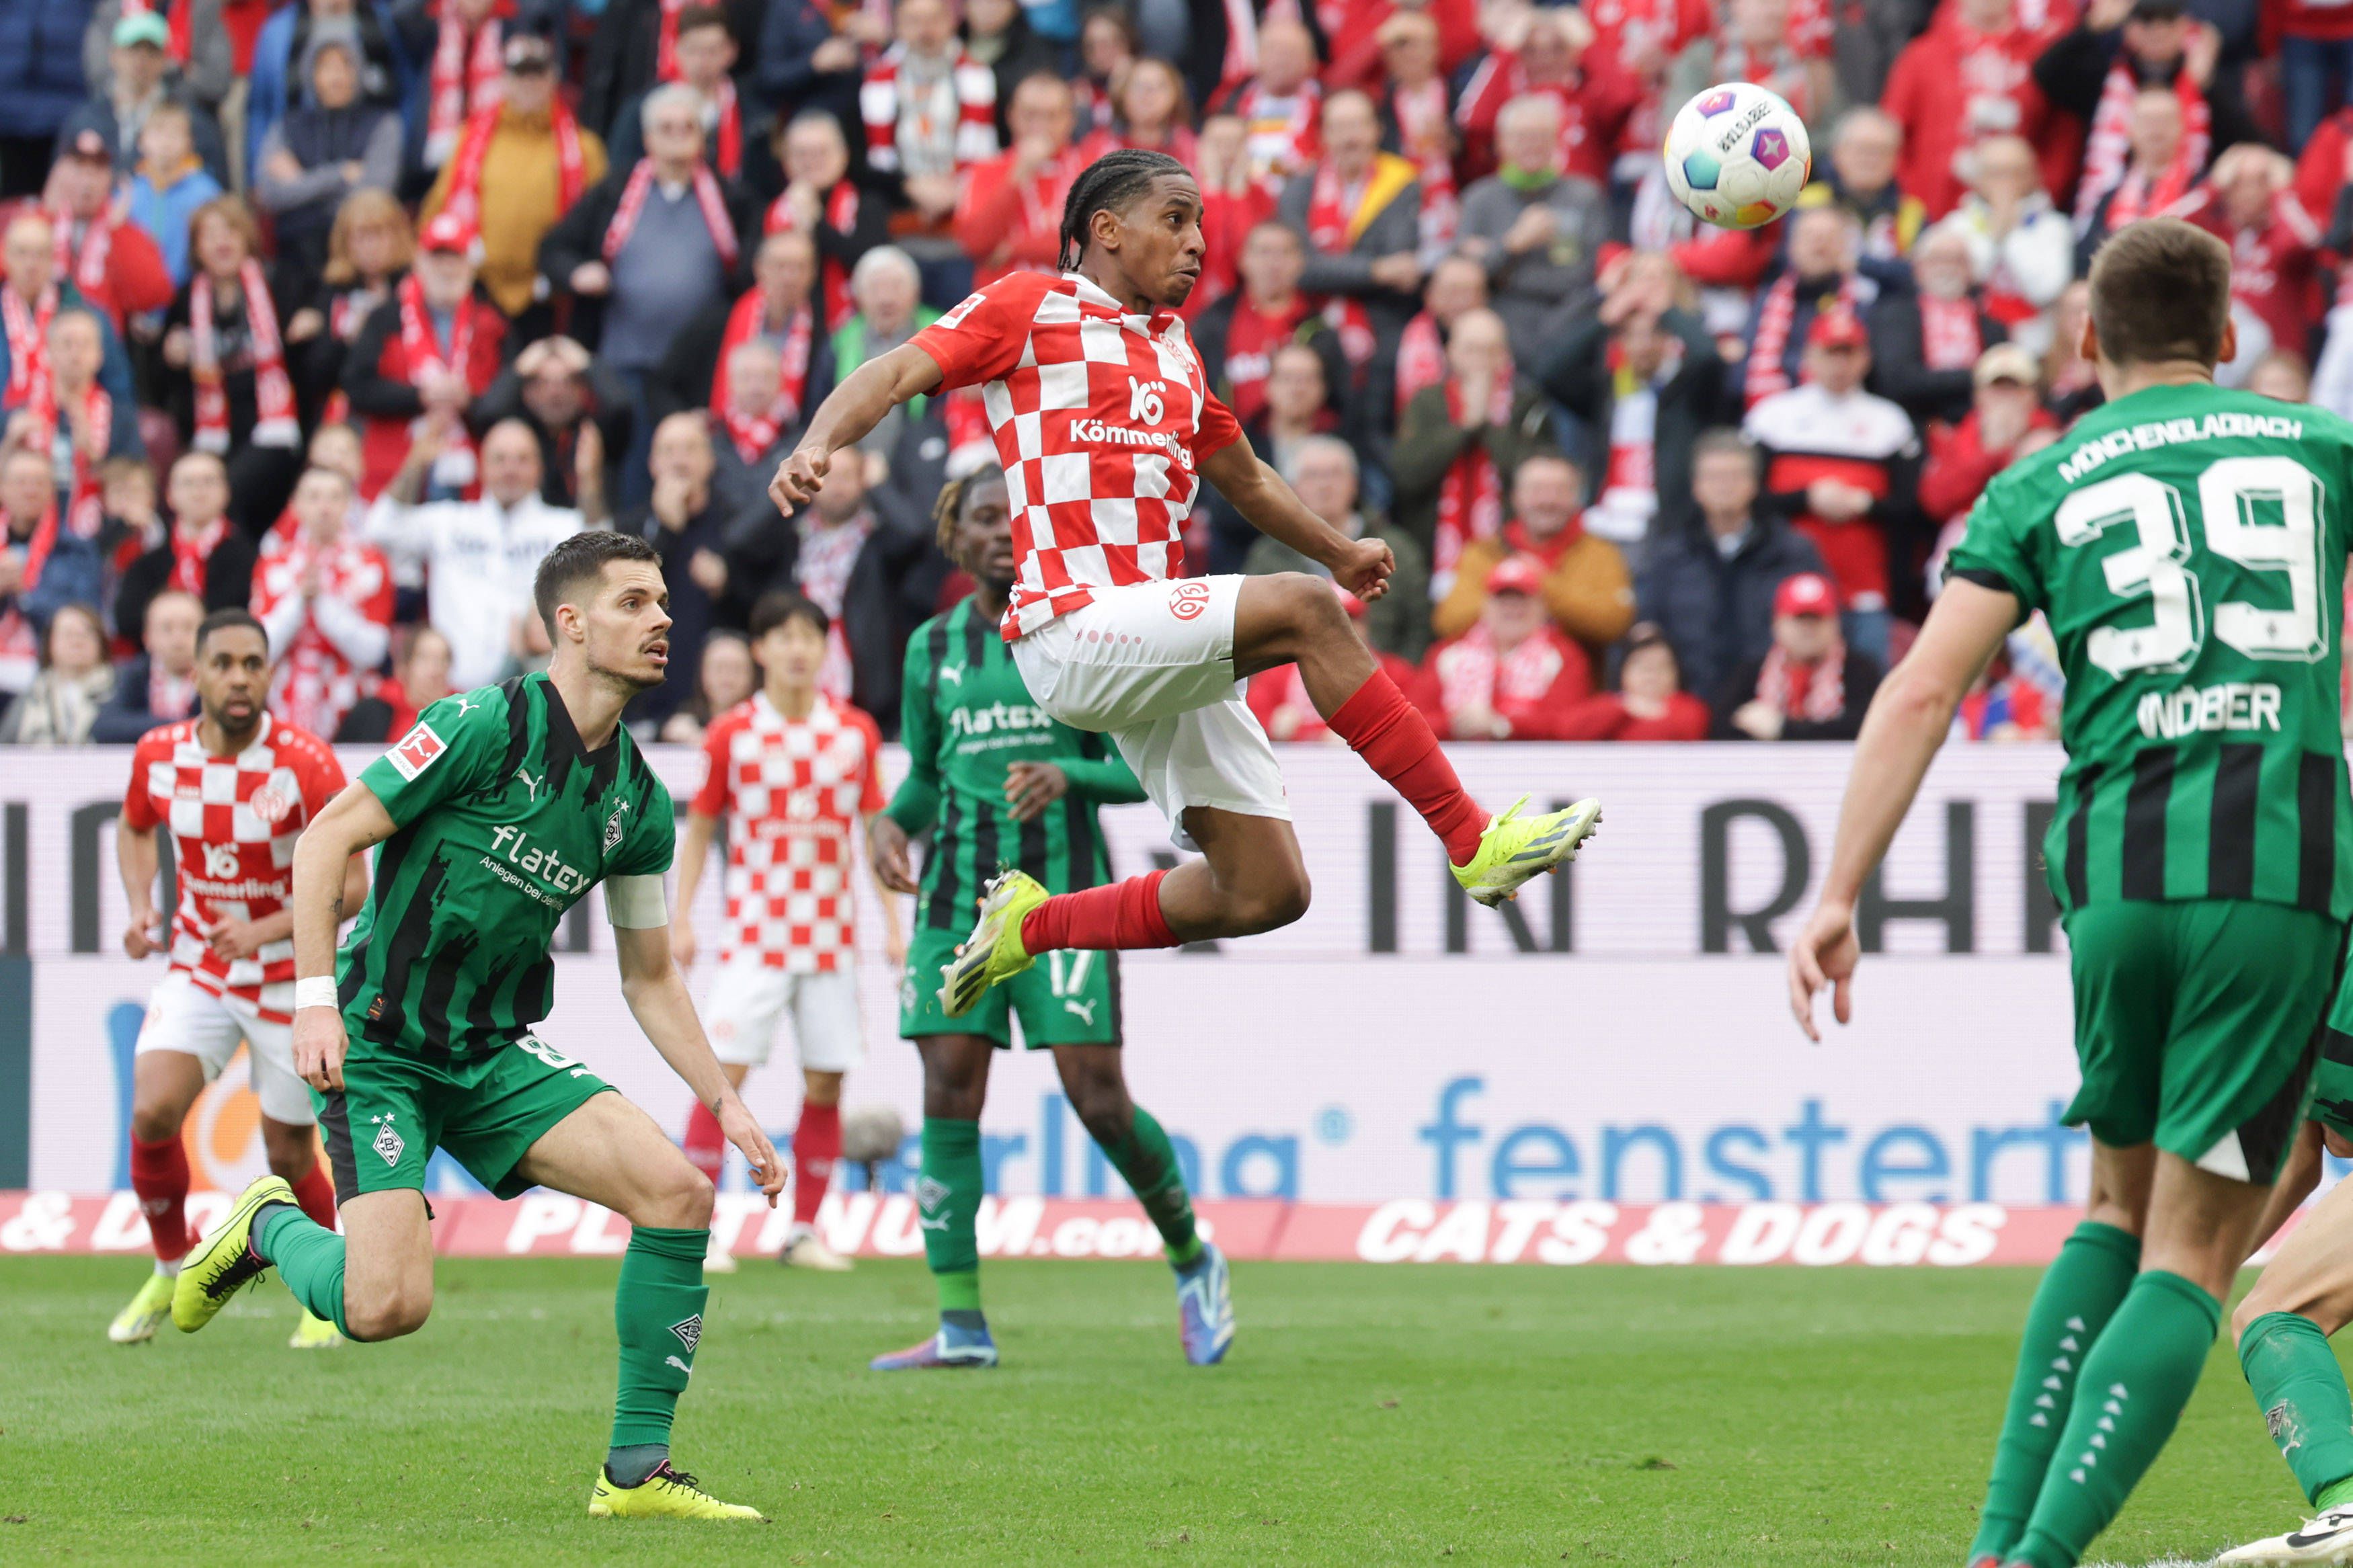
[113, 261]
[2325, 165]
[429, 351]
[1650, 703]
[1279, 697]
[1234, 201]
[1548, 52]
[1511, 677]
[1963, 458]
[1969, 77]
[2249, 202]
[1008, 214]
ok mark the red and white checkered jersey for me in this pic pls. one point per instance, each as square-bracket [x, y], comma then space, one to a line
[327, 646]
[233, 822]
[1101, 421]
[793, 790]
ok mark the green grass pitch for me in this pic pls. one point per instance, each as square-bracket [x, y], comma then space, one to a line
[1368, 1416]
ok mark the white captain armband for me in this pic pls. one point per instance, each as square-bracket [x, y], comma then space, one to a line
[636, 903]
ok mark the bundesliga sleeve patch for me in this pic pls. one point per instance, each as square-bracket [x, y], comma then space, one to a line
[416, 752]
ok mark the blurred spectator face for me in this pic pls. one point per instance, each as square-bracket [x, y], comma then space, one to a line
[1649, 673]
[423, 673]
[26, 489]
[925, 26]
[1512, 616]
[885, 296]
[510, 464]
[1410, 47]
[1103, 46]
[76, 644]
[1761, 27]
[1478, 349]
[2247, 186]
[1807, 639]
[1294, 385]
[844, 495]
[1836, 368]
[815, 153]
[169, 634]
[164, 142]
[1041, 111]
[986, 18]
[337, 447]
[323, 505]
[374, 244]
[82, 185]
[129, 492]
[2006, 403]
[1223, 138]
[1987, 16]
[74, 351]
[1456, 284]
[334, 77]
[1527, 134]
[197, 490]
[446, 277]
[1822, 243]
[1352, 131]
[2007, 170]
[1272, 260]
[681, 450]
[555, 397]
[219, 246]
[1725, 485]
[1552, 47]
[704, 56]
[1940, 264]
[1642, 346]
[1864, 154]
[139, 69]
[674, 130]
[2283, 376]
[1327, 482]
[793, 651]
[1545, 495]
[1151, 95]
[2157, 40]
[755, 376]
[2154, 132]
[26, 250]
[785, 271]
[1286, 57]
[530, 86]
[728, 677]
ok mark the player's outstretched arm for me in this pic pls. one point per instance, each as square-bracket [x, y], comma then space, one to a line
[656, 992]
[353, 821]
[1908, 721]
[854, 407]
[1360, 565]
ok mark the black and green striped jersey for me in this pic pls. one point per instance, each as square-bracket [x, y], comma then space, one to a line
[2188, 545]
[965, 719]
[504, 820]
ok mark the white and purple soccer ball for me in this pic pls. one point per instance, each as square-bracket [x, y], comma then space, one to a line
[1737, 156]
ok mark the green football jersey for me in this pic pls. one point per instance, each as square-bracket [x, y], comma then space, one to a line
[2188, 546]
[504, 821]
[965, 717]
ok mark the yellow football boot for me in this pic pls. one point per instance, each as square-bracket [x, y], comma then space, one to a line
[994, 950]
[666, 1494]
[1514, 847]
[227, 1262]
[314, 1333]
[137, 1323]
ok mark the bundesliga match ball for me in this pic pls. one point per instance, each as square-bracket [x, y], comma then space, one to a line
[1737, 156]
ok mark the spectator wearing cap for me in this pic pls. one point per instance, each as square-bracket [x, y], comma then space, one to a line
[519, 165]
[111, 260]
[930, 113]
[1823, 276]
[2021, 248]
[704, 60]
[423, 357]
[225, 365]
[1581, 578]
[1859, 178]
[1710, 579]
[1009, 217]
[2250, 204]
[1360, 212]
[284, 41]
[1844, 466]
[1322, 471]
[1650, 703]
[1643, 376]
[2005, 422]
[134, 77]
[2096, 71]
[648, 248]
[1810, 685]
[1461, 442]
[1970, 76]
[171, 183]
[1513, 675]
[1538, 230]
[157, 685]
[1279, 696]
[1925, 343]
[323, 149]
[780, 310]
[198, 46]
[579, 410]
[824, 199]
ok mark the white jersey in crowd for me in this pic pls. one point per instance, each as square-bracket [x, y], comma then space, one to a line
[480, 558]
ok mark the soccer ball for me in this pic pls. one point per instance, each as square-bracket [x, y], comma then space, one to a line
[1737, 156]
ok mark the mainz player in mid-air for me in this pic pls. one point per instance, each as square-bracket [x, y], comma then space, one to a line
[1105, 427]
[235, 788]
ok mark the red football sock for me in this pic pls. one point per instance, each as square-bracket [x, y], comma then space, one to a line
[1396, 742]
[816, 1144]
[159, 1174]
[1116, 915]
[315, 1193]
[706, 1146]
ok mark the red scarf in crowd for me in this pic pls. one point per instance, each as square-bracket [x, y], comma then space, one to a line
[274, 424]
[1241, 44]
[87, 269]
[1775, 320]
[2139, 196]
[748, 321]
[1815, 693]
[98, 417]
[1471, 496]
[1250, 342]
[28, 341]
[464, 196]
[466, 75]
[1420, 359]
[1334, 228]
[706, 196]
[753, 434]
[421, 352]
[2108, 150]
[192, 553]
[840, 215]
[1281, 146]
[1421, 113]
[1473, 672]
[1950, 337]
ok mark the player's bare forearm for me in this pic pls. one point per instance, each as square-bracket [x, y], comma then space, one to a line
[1272, 505]
[867, 393]
[324, 895]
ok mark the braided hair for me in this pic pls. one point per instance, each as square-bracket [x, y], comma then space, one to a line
[947, 510]
[1108, 184]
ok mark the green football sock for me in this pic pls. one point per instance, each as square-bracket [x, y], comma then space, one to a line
[2300, 1391]
[1148, 1162]
[2079, 1293]
[948, 1193]
[308, 1256]
[2134, 1382]
[659, 1312]
[2337, 1494]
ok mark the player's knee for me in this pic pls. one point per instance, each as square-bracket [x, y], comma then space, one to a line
[680, 1198]
[388, 1314]
[1311, 606]
[1274, 902]
[153, 1124]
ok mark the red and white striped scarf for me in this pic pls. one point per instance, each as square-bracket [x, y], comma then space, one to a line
[466, 76]
[1420, 110]
[1470, 495]
[28, 341]
[833, 278]
[1473, 672]
[464, 196]
[879, 106]
[192, 552]
[420, 351]
[314, 685]
[706, 196]
[1950, 337]
[1282, 145]
[1334, 225]
[822, 570]
[1241, 44]
[748, 321]
[753, 434]
[2108, 149]
[1815, 693]
[87, 267]
[2139, 196]
[274, 424]
[666, 48]
[98, 417]
[1775, 319]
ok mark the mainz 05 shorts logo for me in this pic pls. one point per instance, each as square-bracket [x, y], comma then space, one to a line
[1188, 600]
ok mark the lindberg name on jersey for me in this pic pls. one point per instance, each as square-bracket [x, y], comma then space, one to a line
[2172, 432]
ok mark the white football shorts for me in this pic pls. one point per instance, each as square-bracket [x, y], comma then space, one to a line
[1152, 665]
[184, 1016]
[749, 996]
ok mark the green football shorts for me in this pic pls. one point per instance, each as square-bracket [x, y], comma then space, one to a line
[2332, 1074]
[395, 1109]
[2195, 1024]
[1069, 998]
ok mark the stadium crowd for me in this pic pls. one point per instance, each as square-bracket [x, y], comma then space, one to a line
[346, 311]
